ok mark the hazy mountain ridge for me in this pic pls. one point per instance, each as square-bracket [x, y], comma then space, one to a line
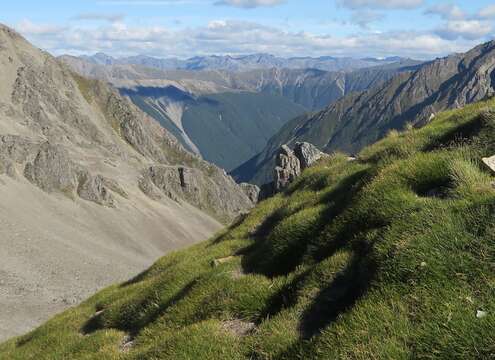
[362, 118]
[245, 62]
[311, 88]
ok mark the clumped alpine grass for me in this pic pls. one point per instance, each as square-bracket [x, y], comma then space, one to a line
[390, 256]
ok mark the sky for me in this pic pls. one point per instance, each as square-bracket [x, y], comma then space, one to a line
[421, 29]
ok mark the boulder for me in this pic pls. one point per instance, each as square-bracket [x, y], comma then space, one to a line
[287, 169]
[490, 163]
[289, 165]
[251, 191]
[307, 154]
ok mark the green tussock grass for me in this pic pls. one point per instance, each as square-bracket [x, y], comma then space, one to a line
[390, 256]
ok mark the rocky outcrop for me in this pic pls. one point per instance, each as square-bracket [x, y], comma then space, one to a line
[52, 170]
[251, 191]
[287, 169]
[93, 188]
[14, 150]
[307, 154]
[217, 194]
[290, 164]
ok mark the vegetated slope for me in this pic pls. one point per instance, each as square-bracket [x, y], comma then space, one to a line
[92, 190]
[390, 256]
[362, 118]
[242, 63]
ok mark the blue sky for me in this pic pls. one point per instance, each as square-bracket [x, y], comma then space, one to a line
[183, 28]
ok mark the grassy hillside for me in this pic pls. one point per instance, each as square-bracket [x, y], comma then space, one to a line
[391, 256]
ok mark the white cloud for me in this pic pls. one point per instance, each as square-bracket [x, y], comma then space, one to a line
[446, 11]
[99, 17]
[487, 12]
[29, 28]
[235, 37]
[380, 4]
[365, 17]
[151, 2]
[250, 4]
[467, 29]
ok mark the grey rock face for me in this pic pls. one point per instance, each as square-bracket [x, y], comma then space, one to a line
[92, 188]
[287, 169]
[213, 192]
[307, 154]
[61, 111]
[6, 166]
[14, 150]
[17, 148]
[251, 191]
[52, 170]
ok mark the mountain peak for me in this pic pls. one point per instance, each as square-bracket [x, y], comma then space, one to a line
[11, 33]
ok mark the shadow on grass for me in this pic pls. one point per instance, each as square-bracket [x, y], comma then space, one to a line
[266, 258]
[465, 133]
[337, 298]
[134, 324]
[237, 221]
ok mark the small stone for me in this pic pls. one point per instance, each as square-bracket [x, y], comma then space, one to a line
[218, 262]
[489, 162]
[480, 314]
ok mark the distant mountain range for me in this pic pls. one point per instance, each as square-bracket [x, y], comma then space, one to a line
[228, 116]
[361, 118]
[242, 63]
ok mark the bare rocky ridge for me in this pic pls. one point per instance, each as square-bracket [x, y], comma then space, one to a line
[242, 62]
[73, 216]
